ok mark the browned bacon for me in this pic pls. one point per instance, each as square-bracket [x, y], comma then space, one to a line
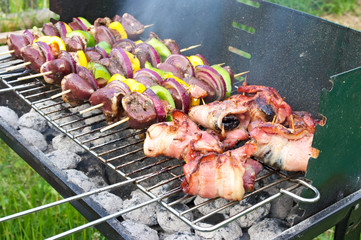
[181, 139]
[265, 103]
[286, 148]
[228, 175]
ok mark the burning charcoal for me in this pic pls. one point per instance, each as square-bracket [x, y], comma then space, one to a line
[64, 159]
[62, 142]
[182, 236]
[252, 217]
[140, 231]
[34, 137]
[269, 228]
[9, 116]
[145, 215]
[80, 179]
[110, 202]
[170, 223]
[230, 232]
[34, 121]
[213, 205]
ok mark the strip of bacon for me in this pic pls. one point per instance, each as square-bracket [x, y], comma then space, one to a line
[181, 139]
[228, 175]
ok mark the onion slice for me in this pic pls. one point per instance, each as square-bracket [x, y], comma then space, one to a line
[122, 58]
[81, 24]
[120, 86]
[60, 26]
[181, 62]
[183, 93]
[146, 52]
[29, 36]
[145, 72]
[45, 49]
[159, 108]
[213, 78]
[67, 56]
[101, 51]
[84, 73]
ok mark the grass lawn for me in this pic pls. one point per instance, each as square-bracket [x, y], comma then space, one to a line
[22, 188]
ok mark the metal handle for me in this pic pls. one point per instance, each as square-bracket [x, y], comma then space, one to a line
[302, 199]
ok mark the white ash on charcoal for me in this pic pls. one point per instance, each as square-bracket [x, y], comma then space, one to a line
[268, 228]
[145, 215]
[170, 223]
[163, 189]
[280, 207]
[182, 236]
[34, 121]
[212, 206]
[254, 216]
[139, 231]
[109, 201]
[79, 179]
[294, 215]
[95, 119]
[64, 159]
[63, 142]
[232, 231]
[9, 116]
[34, 137]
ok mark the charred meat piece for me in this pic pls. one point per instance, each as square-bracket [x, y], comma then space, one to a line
[228, 175]
[285, 148]
[32, 53]
[127, 44]
[92, 55]
[140, 110]
[112, 66]
[181, 139]
[265, 103]
[50, 30]
[117, 18]
[228, 118]
[74, 43]
[172, 45]
[132, 26]
[102, 22]
[16, 42]
[81, 90]
[111, 99]
[59, 68]
[103, 33]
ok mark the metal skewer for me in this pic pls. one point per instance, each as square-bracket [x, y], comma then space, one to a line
[114, 215]
[65, 200]
[16, 87]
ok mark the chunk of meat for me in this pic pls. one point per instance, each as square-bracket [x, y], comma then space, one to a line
[32, 53]
[140, 110]
[228, 175]
[265, 103]
[286, 148]
[181, 139]
[81, 90]
[59, 68]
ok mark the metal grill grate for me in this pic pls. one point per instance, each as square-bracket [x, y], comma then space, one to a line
[121, 150]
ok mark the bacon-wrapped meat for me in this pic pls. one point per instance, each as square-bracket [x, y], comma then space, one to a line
[286, 148]
[228, 175]
[181, 139]
[229, 118]
[265, 103]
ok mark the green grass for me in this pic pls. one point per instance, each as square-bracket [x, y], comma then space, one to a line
[22, 188]
[320, 7]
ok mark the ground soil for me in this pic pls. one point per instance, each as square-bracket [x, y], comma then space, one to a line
[349, 19]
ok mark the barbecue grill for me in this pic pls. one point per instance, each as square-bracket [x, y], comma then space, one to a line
[296, 53]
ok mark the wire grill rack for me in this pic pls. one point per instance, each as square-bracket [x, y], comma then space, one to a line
[121, 149]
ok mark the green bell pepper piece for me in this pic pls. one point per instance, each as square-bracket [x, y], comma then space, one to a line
[162, 49]
[90, 40]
